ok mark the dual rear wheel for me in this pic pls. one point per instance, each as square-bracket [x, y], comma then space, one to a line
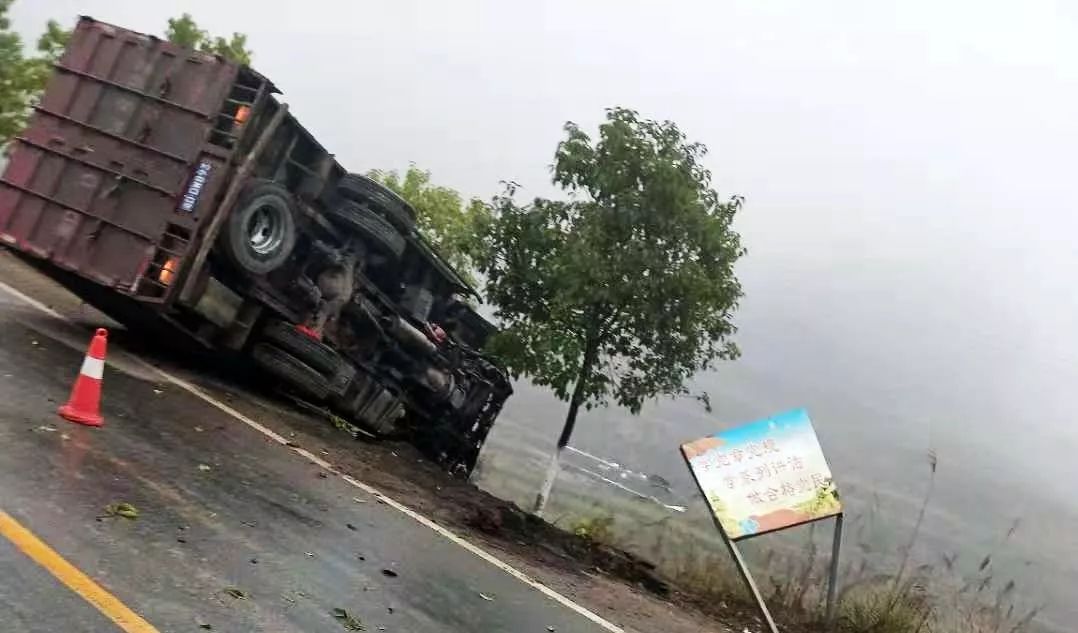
[260, 233]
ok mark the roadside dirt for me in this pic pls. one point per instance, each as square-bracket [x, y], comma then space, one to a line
[611, 583]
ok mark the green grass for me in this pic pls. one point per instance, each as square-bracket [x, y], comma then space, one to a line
[878, 610]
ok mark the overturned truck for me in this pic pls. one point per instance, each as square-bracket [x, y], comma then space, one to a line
[173, 189]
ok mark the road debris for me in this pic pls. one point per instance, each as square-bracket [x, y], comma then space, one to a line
[358, 500]
[204, 467]
[238, 594]
[349, 622]
[389, 573]
[486, 597]
[351, 527]
[125, 510]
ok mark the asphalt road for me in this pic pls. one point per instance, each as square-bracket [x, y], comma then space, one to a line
[235, 531]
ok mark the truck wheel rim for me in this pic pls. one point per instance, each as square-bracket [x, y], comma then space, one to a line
[265, 231]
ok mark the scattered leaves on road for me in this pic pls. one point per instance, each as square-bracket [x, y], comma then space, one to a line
[238, 594]
[125, 510]
[349, 622]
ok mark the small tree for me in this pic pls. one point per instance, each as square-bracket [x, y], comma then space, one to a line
[453, 226]
[626, 290]
[185, 32]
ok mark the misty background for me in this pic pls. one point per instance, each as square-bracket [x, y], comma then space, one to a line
[910, 214]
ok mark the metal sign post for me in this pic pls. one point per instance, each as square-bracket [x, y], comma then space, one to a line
[832, 581]
[750, 582]
[764, 477]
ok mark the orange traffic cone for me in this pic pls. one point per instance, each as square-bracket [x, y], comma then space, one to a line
[84, 406]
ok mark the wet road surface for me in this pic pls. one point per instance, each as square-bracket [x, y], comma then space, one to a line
[234, 531]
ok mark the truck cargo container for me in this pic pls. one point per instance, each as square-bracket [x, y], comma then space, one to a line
[173, 188]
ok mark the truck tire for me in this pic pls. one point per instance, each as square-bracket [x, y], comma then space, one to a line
[260, 232]
[378, 233]
[359, 188]
[316, 354]
[291, 371]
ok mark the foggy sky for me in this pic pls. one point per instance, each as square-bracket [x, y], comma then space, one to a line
[907, 167]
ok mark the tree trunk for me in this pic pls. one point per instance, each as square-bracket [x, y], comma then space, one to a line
[590, 353]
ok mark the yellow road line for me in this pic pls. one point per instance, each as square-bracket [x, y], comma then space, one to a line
[74, 579]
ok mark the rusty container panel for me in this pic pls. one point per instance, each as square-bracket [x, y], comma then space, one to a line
[116, 171]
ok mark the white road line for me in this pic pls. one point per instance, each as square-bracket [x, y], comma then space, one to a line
[27, 299]
[620, 486]
[280, 439]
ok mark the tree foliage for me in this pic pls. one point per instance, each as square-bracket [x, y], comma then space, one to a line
[625, 290]
[185, 32]
[22, 77]
[453, 226]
